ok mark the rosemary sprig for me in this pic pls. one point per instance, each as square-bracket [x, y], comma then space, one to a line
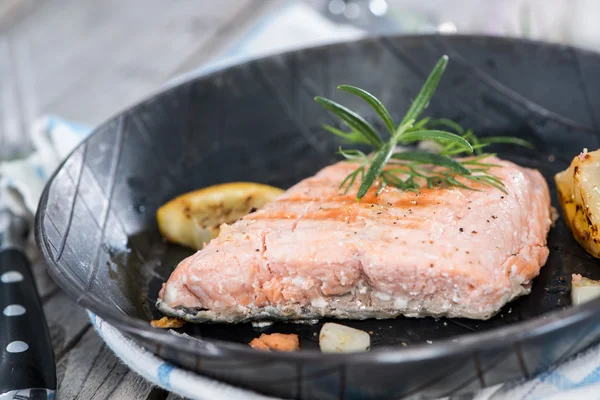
[409, 170]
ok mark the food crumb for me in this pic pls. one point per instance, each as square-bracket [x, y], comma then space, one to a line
[167, 323]
[258, 344]
[277, 342]
[554, 215]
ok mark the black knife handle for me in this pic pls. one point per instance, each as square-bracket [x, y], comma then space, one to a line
[26, 355]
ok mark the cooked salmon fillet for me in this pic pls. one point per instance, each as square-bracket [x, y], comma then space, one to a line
[316, 252]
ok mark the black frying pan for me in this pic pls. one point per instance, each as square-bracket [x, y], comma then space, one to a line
[258, 122]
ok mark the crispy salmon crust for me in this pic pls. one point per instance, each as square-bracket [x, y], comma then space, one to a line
[316, 252]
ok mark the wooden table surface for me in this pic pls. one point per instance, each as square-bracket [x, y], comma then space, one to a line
[85, 60]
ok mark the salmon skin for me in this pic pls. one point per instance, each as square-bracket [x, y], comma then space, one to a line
[316, 252]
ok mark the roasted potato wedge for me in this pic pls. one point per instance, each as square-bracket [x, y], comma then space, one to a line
[194, 218]
[579, 196]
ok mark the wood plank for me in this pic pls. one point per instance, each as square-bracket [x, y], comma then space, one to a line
[88, 369]
[132, 386]
[91, 371]
[67, 323]
[74, 369]
[45, 284]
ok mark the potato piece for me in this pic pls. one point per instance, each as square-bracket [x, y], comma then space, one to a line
[194, 218]
[583, 289]
[336, 338]
[579, 196]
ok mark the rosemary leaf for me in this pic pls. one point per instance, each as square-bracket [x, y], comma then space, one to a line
[352, 136]
[426, 93]
[422, 123]
[479, 164]
[452, 180]
[431, 158]
[448, 123]
[373, 102]
[476, 159]
[506, 140]
[353, 120]
[455, 151]
[438, 136]
[352, 154]
[349, 180]
[393, 180]
[492, 178]
[382, 157]
[482, 180]
[381, 187]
